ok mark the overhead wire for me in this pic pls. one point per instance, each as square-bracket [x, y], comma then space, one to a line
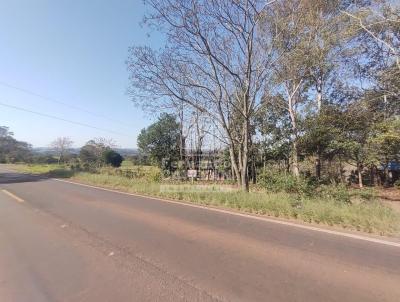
[53, 100]
[62, 119]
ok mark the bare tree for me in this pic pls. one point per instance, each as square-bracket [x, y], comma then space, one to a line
[100, 144]
[216, 60]
[61, 145]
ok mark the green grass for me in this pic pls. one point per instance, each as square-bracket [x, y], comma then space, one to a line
[369, 216]
[128, 165]
[52, 170]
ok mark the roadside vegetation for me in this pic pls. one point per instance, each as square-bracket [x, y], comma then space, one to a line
[350, 209]
[51, 170]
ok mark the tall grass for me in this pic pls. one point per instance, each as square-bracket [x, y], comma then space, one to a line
[51, 170]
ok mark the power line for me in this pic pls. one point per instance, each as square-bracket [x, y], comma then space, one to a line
[62, 119]
[64, 104]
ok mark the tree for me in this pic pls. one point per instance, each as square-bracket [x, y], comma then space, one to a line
[161, 140]
[113, 158]
[92, 151]
[12, 150]
[324, 135]
[88, 154]
[290, 69]
[355, 125]
[5, 132]
[308, 37]
[274, 126]
[216, 60]
[380, 22]
[61, 145]
[378, 58]
[384, 144]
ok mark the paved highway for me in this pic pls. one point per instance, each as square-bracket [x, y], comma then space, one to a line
[65, 242]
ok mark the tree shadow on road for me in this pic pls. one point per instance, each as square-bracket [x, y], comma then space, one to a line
[19, 177]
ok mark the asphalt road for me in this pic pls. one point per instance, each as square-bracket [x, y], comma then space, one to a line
[65, 242]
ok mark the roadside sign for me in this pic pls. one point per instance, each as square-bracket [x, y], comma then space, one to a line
[192, 173]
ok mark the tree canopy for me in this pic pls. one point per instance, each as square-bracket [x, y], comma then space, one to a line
[113, 158]
[160, 140]
[12, 150]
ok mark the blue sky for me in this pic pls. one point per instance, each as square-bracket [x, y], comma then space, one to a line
[72, 51]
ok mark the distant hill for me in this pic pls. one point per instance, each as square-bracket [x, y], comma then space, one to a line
[49, 151]
[127, 151]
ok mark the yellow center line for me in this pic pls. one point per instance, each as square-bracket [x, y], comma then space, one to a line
[13, 196]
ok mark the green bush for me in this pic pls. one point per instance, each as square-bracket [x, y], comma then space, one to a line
[367, 194]
[111, 157]
[154, 175]
[279, 182]
[146, 173]
[61, 173]
[307, 187]
[397, 184]
[337, 192]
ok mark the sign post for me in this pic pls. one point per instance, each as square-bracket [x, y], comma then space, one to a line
[192, 174]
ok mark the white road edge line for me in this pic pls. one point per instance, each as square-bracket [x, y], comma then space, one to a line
[266, 219]
[12, 195]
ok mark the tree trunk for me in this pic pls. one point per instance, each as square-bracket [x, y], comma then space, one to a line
[318, 167]
[254, 171]
[287, 162]
[295, 160]
[245, 175]
[235, 168]
[342, 176]
[264, 163]
[373, 175]
[181, 137]
[359, 171]
[319, 93]
[319, 105]
[386, 176]
[245, 157]
[295, 153]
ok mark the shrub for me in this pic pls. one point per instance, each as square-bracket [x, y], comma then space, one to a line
[279, 182]
[154, 175]
[337, 192]
[61, 173]
[367, 194]
[397, 184]
[110, 157]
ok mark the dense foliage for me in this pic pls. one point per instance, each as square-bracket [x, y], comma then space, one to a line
[160, 141]
[12, 150]
[113, 158]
